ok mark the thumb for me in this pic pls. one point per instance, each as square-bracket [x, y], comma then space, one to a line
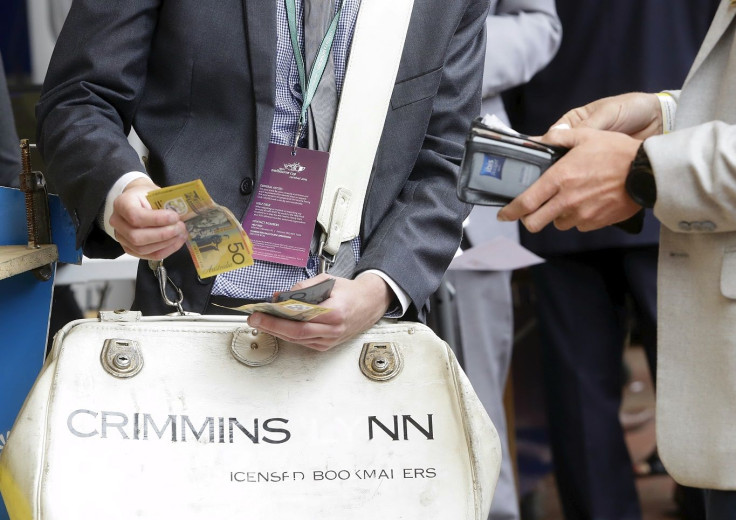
[561, 136]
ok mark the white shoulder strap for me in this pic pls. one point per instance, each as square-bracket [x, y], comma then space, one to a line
[378, 42]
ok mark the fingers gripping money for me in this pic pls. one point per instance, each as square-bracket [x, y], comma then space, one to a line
[216, 239]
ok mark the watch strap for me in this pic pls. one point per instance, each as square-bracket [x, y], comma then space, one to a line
[640, 182]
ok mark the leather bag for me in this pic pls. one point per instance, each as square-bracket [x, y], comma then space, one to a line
[202, 417]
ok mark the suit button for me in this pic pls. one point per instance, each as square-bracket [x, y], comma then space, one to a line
[684, 225]
[707, 225]
[246, 186]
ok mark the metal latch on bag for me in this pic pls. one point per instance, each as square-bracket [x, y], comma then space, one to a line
[380, 361]
[253, 348]
[121, 357]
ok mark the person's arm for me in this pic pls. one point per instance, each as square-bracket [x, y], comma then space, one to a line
[420, 233]
[586, 188]
[90, 95]
[523, 37]
[693, 170]
[695, 174]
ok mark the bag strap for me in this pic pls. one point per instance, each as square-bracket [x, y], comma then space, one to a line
[375, 54]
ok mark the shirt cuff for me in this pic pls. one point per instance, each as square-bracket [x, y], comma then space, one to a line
[113, 194]
[668, 104]
[398, 292]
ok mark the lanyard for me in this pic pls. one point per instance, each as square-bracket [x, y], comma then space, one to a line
[309, 87]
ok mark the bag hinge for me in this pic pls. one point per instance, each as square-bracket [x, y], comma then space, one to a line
[120, 315]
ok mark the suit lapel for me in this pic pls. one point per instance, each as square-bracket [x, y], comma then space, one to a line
[261, 36]
[722, 20]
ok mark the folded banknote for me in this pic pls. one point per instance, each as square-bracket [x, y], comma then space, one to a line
[289, 309]
[216, 239]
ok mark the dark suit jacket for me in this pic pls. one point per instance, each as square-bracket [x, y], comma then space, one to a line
[608, 47]
[196, 79]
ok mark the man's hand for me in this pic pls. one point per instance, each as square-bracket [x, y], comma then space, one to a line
[144, 232]
[584, 189]
[636, 114]
[356, 306]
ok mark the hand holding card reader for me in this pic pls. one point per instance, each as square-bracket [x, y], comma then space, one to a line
[499, 163]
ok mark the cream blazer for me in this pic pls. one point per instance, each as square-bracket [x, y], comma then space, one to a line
[695, 169]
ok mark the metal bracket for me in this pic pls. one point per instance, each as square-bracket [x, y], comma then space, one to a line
[326, 260]
[120, 315]
[157, 266]
[380, 361]
[33, 185]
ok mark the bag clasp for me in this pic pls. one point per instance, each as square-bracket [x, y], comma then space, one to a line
[380, 361]
[121, 358]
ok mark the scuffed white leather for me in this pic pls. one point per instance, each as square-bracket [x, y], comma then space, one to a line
[189, 370]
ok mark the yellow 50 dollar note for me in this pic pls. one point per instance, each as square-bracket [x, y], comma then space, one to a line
[216, 240]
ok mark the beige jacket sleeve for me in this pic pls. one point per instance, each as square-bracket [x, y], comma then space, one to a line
[695, 172]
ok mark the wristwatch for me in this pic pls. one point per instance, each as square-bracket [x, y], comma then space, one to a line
[640, 183]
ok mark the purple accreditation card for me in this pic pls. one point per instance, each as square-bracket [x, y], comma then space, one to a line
[280, 221]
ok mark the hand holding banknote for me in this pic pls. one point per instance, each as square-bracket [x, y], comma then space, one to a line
[296, 305]
[141, 231]
[355, 305]
[215, 238]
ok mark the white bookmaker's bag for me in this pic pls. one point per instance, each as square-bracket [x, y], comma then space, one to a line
[201, 417]
[193, 417]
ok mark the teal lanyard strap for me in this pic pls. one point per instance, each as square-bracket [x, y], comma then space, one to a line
[309, 87]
